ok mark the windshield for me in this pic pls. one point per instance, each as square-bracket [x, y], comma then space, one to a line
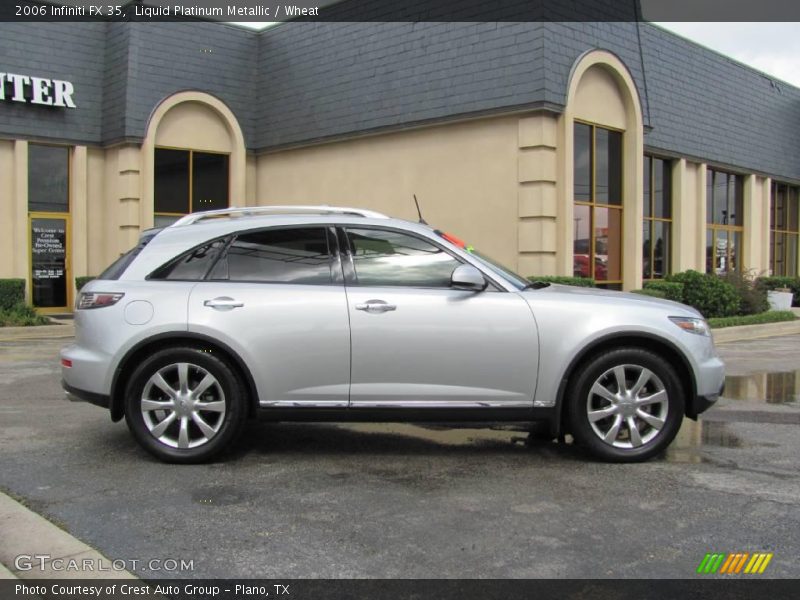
[515, 279]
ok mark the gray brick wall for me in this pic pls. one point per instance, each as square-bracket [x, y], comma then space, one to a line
[326, 79]
[165, 58]
[301, 82]
[71, 51]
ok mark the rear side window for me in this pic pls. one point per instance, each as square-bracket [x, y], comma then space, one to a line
[193, 265]
[118, 267]
[391, 258]
[297, 255]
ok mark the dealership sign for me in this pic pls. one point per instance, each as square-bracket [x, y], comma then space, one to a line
[36, 90]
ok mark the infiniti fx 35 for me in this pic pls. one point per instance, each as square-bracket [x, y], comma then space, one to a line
[340, 314]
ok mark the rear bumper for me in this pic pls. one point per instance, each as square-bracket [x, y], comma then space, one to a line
[76, 395]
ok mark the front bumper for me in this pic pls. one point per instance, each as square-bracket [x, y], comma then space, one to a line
[700, 404]
[76, 395]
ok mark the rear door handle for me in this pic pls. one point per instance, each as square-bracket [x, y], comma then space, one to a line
[376, 306]
[223, 303]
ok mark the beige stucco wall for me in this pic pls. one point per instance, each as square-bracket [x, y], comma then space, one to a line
[464, 176]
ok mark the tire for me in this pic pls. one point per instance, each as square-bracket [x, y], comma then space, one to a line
[611, 425]
[170, 420]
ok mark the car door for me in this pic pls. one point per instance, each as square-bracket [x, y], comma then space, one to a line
[276, 297]
[417, 342]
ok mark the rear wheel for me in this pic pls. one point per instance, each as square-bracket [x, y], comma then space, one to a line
[184, 405]
[626, 405]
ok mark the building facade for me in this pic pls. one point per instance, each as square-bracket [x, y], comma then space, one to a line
[615, 150]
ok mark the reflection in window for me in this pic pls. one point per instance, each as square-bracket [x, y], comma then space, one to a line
[279, 256]
[657, 228]
[597, 241]
[193, 265]
[785, 229]
[390, 258]
[725, 220]
[48, 178]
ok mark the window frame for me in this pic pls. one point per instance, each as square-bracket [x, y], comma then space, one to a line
[651, 220]
[593, 204]
[773, 230]
[191, 152]
[715, 228]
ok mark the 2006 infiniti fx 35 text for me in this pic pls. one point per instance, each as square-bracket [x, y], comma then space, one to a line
[339, 314]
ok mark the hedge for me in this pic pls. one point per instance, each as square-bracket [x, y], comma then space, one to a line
[21, 315]
[774, 283]
[708, 293]
[82, 281]
[775, 316]
[671, 290]
[12, 293]
[564, 280]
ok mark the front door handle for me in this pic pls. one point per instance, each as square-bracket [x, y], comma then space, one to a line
[376, 306]
[223, 303]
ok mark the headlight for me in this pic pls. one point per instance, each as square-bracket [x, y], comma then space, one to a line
[692, 325]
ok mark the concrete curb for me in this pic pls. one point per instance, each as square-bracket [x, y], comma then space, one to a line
[754, 332]
[26, 533]
[41, 332]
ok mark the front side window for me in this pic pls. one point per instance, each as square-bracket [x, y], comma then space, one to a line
[391, 258]
[295, 255]
[785, 229]
[657, 225]
[725, 221]
[187, 181]
[597, 241]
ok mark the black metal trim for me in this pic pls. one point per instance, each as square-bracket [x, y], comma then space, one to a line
[406, 415]
[100, 400]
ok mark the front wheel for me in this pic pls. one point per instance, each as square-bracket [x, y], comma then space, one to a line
[184, 405]
[626, 405]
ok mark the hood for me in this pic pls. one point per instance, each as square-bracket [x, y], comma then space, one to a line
[613, 296]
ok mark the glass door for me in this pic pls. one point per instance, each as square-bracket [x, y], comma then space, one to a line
[50, 269]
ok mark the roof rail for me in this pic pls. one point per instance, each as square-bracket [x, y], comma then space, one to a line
[252, 211]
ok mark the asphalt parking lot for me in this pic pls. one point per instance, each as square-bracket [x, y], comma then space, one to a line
[314, 500]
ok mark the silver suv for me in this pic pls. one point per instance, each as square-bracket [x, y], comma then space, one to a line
[320, 313]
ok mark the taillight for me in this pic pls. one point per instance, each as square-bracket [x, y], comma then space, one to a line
[65, 362]
[98, 299]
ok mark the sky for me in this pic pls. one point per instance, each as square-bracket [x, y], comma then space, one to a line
[770, 47]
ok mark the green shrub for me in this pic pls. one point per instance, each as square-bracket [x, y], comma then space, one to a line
[564, 280]
[82, 281]
[775, 283]
[708, 293]
[650, 292]
[752, 298]
[12, 292]
[671, 290]
[21, 315]
[775, 316]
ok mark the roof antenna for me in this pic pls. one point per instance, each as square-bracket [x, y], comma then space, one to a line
[419, 212]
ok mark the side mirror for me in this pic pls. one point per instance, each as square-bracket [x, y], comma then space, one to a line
[467, 277]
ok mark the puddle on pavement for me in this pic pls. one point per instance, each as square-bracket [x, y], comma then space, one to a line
[772, 388]
[693, 436]
[445, 436]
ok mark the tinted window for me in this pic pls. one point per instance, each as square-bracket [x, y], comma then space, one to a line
[171, 181]
[210, 181]
[117, 268]
[48, 178]
[278, 256]
[193, 265]
[583, 162]
[391, 258]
